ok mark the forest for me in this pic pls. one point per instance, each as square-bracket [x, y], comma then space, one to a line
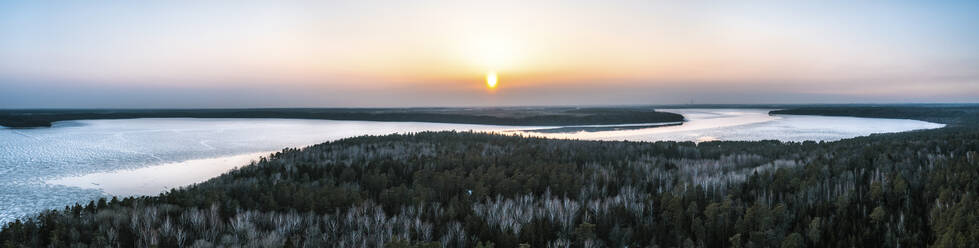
[517, 116]
[941, 113]
[465, 189]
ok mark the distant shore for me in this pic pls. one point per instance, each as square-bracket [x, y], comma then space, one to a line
[945, 114]
[512, 116]
[523, 116]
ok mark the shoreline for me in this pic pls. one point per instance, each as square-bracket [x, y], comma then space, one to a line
[159, 178]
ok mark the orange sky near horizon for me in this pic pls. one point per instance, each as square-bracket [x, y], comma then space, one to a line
[881, 51]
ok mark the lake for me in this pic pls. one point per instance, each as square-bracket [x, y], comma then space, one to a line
[78, 161]
[752, 125]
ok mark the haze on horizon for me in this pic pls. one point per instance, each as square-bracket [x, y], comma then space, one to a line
[126, 54]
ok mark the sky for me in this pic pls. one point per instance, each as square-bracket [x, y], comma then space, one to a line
[218, 54]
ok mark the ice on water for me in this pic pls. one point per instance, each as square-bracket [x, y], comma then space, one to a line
[74, 151]
[757, 124]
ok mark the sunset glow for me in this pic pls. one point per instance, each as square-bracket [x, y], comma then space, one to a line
[491, 80]
[504, 123]
[356, 54]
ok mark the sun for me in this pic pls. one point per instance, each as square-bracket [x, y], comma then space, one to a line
[491, 80]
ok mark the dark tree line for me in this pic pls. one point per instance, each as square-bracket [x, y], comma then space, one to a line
[544, 116]
[943, 113]
[451, 189]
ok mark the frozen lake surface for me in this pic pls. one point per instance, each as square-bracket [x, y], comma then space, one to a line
[78, 161]
[753, 125]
